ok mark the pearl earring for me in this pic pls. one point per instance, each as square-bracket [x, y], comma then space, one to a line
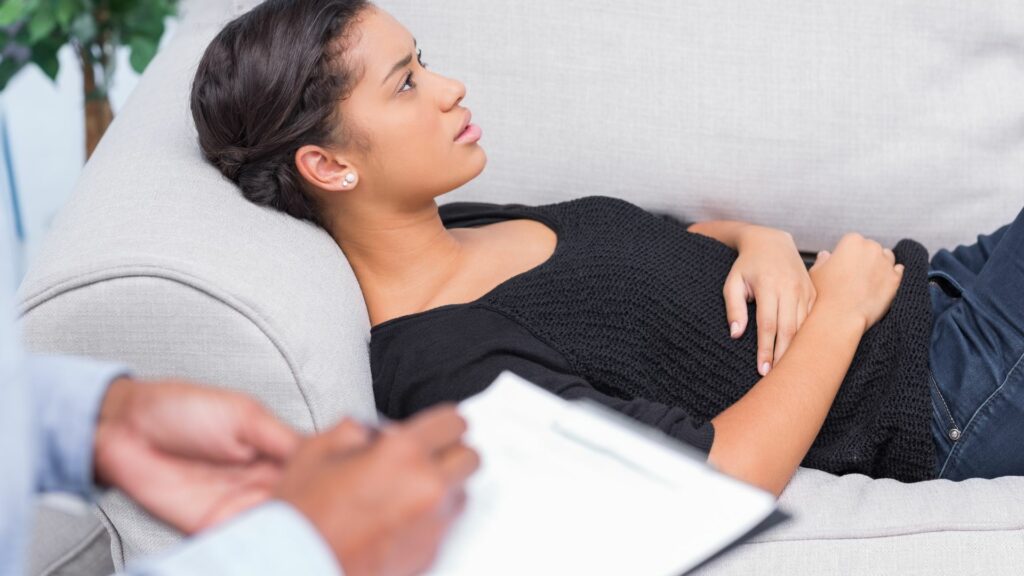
[349, 179]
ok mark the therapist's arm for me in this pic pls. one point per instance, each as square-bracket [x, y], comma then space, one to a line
[191, 455]
[67, 393]
[195, 457]
[74, 397]
[346, 502]
[84, 408]
[271, 539]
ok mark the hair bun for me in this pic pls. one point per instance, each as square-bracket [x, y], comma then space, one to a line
[230, 161]
[274, 183]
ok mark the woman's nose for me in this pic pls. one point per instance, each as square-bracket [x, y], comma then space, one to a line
[455, 93]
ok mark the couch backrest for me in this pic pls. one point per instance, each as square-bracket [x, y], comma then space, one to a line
[896, 118]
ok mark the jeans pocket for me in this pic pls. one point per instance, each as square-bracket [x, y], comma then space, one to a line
[953, 431]
[949, 285]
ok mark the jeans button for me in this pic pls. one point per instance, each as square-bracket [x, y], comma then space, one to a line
[954, 434]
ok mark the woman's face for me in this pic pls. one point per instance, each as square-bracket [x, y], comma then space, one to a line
[409, 116]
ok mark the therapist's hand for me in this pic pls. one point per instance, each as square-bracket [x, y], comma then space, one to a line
[190, 455]
[383, 504]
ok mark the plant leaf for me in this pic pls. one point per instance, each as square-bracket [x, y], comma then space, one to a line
[20, 33]
[13, 10]
[144, 21]
[143, 50]
[65, 11]
[83, 28]
[40, 26]
[44, 54]
[8, 69]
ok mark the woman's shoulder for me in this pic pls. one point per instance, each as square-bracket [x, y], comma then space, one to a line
[458, 322]
[471, 214]
[587, 204]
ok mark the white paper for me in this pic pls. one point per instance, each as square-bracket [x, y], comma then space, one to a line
[563, 489]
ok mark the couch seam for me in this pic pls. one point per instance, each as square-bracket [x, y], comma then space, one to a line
[116, 545]
[114, 273]
[74, 551]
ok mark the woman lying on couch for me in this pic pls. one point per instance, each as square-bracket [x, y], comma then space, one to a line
[323, 109]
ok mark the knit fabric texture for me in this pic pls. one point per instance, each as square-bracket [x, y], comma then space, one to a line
[634, 303]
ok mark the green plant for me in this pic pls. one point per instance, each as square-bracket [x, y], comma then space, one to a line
[33, 31]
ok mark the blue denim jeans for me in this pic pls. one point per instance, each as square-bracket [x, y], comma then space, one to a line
[977, 356]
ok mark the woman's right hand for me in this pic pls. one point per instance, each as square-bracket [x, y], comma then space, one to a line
[859, 277]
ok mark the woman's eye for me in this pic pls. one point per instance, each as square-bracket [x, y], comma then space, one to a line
[408, 77]
[408, 82]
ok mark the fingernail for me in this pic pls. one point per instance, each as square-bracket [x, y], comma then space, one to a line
[734, 329]
[765, 368]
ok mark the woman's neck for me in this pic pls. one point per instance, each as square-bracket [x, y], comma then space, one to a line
[402, 257]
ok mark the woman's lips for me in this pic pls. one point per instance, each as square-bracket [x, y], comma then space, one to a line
[472, 133]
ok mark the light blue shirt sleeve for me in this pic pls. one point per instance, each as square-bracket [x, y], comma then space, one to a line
[271, 539]
[16, 422]
[67, 393]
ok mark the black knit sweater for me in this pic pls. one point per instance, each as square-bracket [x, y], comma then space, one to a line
[629, 311]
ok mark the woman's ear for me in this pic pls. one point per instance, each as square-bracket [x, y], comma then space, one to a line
[323, 170]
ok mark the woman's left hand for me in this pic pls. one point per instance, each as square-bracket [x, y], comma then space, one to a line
[770, 272]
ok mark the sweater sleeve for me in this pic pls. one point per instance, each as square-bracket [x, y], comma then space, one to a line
[457, 352]
[669, 419]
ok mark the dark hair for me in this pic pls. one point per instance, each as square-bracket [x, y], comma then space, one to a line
[268, 84]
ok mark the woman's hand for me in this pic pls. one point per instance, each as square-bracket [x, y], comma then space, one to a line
[855, 287]
[859, 278]
[770, 272]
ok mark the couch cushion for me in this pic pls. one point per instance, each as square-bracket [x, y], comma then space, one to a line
[890, 117]
[855, 525]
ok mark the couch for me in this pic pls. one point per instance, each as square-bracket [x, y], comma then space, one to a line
[890, 117]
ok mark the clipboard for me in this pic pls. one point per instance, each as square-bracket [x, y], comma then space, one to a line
[573, 487]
